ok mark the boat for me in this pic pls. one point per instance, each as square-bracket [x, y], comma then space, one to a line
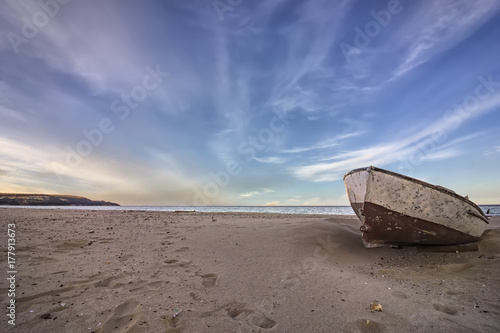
[397, 210]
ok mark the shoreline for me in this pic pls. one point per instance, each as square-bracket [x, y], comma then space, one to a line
[139, 271]
[295, 210]
[299, 210]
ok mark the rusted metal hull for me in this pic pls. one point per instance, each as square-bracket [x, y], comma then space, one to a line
[399, 210]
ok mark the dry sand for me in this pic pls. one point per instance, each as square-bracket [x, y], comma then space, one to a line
[130, 271]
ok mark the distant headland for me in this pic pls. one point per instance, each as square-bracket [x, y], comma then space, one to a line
[22, 199]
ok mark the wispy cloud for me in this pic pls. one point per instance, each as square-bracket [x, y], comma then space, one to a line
[438, 26]
[318, 172]
[441, 154]
[272, 203]
[249, 194]
[492, 151]
[7, 114]
[271, 160]
[421, 143]
[327, 143]
[317, 201]
[229, 82]
[31, 167]
[255, 193]
[87, 53]
[43, 169]
[304, 74]
[420, 33]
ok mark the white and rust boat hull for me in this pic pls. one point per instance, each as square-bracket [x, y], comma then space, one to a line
[399, 210]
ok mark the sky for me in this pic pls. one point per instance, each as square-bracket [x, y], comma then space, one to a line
[239, 102]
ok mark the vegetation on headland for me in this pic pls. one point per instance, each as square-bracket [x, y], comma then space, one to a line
[22, 199]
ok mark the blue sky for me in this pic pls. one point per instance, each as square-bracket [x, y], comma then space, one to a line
[238, 102]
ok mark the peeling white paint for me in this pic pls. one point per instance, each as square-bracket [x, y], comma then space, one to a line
[412, 198]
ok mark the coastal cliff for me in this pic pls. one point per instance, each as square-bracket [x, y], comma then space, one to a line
[20, 199]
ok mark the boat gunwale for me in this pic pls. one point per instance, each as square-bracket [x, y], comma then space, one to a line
[418, 181]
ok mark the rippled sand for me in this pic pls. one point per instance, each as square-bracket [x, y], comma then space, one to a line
[113, 271]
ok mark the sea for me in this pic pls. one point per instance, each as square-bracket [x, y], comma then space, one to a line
[493, 210]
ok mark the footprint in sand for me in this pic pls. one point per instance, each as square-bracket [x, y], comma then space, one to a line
[155, 285]
[68, 246]
[176, 262]
[137, 286]
[51, 292]
[400, 295]
[171, 261]
[173, 324]
[105, 283]
[182, 249]
[364, 326]
[445, 309]
[195, 296]
[125, 257]
[210, 280]
[259, 320]
[237, 310]
[240, 312]
[124, 318]
[454, 292]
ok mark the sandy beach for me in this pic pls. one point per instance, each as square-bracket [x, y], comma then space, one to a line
[133, 271]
